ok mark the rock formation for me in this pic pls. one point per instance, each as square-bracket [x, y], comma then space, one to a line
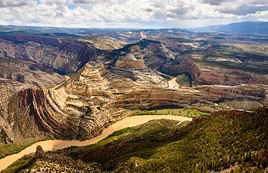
[60, 55]
[108, 86]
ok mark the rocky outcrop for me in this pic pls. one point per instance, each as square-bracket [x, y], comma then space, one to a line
[186, 66]
[130, 61]
[39, 152]
[4, 138]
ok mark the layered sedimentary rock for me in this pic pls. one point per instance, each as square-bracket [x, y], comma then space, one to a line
[221, 76]
[109, 87]
[74, 109]
[8, 90]
[60, 55]
[20, 71]
[160, 98]
[156, 56]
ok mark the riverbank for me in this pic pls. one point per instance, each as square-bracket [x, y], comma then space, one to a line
[53, 145]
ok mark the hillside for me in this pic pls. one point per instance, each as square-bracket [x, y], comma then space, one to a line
[223, 141]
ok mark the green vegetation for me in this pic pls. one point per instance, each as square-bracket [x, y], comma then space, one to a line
[9, 149]
[186, 112]
[119, 132]
[214, 142]
[20, 165]
[210, 143]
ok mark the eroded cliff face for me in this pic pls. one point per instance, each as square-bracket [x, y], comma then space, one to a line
[27, 114]
[8, 92]
[28, 65]
[61, 55]
[109, 87]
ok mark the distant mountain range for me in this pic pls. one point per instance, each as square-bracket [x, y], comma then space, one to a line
[63, 31]
[8, 29]
[238, 28]
[247, 28]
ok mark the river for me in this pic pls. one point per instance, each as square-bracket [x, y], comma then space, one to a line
[53, 145]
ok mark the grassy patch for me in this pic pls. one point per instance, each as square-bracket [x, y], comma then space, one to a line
[119, 132]
[185, 112]
[9, 149]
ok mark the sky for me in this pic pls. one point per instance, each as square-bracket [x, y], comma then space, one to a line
[131, 13]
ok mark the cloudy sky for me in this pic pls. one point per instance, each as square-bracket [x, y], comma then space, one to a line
[131, 13]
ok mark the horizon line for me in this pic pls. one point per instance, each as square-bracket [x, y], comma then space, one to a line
[126, 28]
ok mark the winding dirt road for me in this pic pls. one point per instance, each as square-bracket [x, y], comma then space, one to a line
[52, 145]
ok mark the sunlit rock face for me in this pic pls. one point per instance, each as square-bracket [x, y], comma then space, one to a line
[108, 87]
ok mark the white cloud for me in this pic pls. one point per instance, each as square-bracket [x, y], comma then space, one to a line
[130, 13]
[15, 3]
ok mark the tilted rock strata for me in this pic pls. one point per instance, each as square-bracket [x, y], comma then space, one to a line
[59, 55]
[108, 87]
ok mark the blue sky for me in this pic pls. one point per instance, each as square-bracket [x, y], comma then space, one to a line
[131, 13]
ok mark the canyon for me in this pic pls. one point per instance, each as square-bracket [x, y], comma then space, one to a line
[108, 87]
[71, 87]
